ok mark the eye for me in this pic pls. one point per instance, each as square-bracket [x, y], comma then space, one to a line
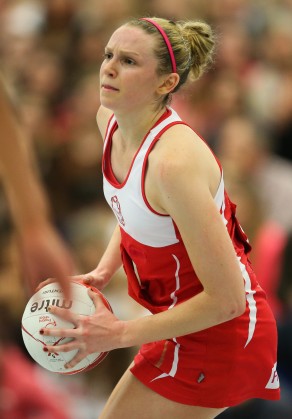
[107, 55]
[129, 61]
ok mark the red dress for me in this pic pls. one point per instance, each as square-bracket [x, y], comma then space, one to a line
[217, 367]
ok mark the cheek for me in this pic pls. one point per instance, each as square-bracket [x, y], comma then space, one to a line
[138, 97]
[101, 69]
[142, 88]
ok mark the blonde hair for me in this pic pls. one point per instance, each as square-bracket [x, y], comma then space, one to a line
[192, 43]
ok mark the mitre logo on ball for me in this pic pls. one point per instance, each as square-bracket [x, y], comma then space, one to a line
[44, 304]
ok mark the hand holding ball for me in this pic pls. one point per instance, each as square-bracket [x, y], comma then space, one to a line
[36, 317]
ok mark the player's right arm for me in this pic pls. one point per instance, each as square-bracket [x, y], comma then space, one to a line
[108, 265]
[111, 259]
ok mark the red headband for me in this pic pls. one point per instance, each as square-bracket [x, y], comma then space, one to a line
[166, 40]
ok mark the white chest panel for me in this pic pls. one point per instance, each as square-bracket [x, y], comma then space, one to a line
[127, 201]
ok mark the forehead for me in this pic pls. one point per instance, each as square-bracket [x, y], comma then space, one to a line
[133, 39]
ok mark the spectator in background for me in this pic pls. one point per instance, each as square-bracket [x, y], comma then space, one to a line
[268, 239]
[281, 124]
[245, 148]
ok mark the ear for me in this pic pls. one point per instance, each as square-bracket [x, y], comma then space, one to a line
[168, 84]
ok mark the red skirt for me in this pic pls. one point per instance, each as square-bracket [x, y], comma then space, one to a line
[217, 367]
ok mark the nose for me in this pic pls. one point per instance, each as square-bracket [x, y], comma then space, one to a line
[110, 68]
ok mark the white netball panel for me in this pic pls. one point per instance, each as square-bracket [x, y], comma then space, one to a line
[36, 317]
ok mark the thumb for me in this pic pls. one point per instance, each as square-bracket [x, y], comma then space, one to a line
[78, 278]
[96, 298]
[99, 299]
[87, 279]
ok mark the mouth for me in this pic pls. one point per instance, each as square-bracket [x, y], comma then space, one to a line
[109, 87]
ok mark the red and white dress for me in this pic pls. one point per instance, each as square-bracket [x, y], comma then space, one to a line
[217, 367]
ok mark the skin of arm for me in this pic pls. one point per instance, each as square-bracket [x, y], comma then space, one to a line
[102, 118]
[16, 169]
[108, 265]
[183, 190]
[111, 259]
[182, 185]
[42, 251]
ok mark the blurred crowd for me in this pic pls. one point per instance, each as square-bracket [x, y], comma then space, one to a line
[50, 53]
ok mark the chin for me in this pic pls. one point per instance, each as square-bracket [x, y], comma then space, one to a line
[107, 104]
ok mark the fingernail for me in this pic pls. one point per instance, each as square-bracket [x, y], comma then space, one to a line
[45, 349]
[41, 332]
[49, 308]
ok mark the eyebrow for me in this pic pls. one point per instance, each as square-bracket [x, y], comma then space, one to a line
[123, 52]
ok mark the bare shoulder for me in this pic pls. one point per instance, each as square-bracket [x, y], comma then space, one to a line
[102, 118]
[181, 153]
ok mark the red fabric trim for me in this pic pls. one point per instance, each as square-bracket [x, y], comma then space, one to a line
[106, 166]
[145, 164]
[107, 127]
[108, 171]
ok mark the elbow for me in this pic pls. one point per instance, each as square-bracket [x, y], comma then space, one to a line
[237, 312]
[236, 308]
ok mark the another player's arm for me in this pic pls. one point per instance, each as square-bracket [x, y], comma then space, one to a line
[183, 183]
[42, 252]
[26, 197]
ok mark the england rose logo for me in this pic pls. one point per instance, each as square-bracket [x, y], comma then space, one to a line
[117, 209]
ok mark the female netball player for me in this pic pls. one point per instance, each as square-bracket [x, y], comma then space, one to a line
[211, 341]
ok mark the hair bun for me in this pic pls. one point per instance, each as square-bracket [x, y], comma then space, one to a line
[201, 40]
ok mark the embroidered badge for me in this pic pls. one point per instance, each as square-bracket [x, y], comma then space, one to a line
[117, 210]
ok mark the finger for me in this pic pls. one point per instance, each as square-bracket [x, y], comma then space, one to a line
[78, 278]
[87, 280]
[67, 347]
[64, 314]
[99, 300]
[62, 333]
[65, 284]
[44, 283]
[90, 281]
[77, 358]
[96, 298]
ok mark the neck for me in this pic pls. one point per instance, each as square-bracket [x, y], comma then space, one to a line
[134, 126]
